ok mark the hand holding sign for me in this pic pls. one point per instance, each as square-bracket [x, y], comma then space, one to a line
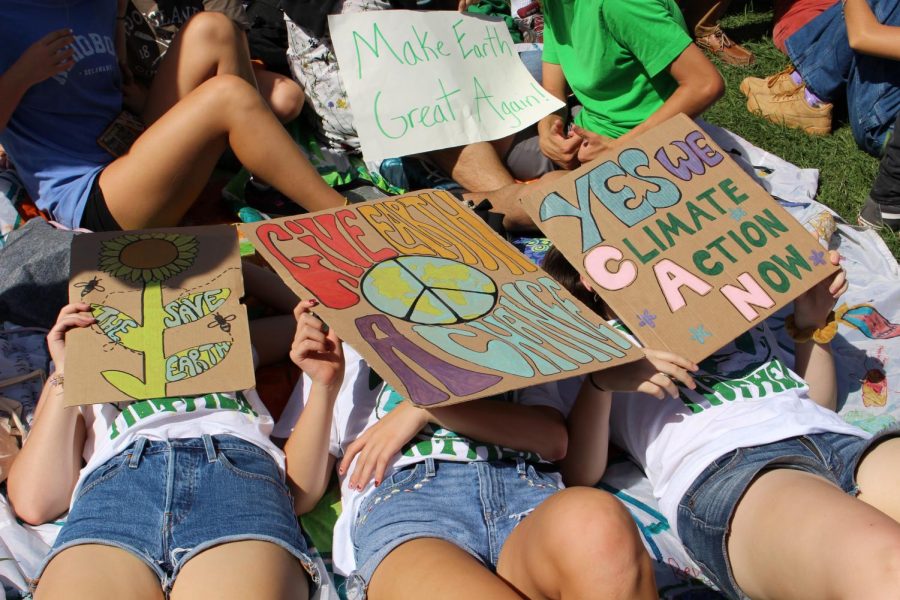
[680, 242]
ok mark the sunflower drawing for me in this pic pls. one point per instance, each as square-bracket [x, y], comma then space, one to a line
[147, 257]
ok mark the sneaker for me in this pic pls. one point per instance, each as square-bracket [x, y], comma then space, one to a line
[720, 45]
[792, 110]
[779, 83]
[873, 217]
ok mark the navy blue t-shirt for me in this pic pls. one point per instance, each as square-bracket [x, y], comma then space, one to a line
[52, 135]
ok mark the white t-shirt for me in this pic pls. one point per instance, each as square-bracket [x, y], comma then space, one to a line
[364, 399]
[111, 429]
[746, 396]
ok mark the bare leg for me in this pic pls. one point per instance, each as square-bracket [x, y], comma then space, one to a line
[579, 544]
[209, 44]
[507, 201]
[97, 572]
[795, 535]
[445, 569]
[239, 570]
[879, 478]
[160, 177]
[283, 95]
[476, 167]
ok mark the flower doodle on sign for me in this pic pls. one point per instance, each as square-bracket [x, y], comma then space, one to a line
[150, 259]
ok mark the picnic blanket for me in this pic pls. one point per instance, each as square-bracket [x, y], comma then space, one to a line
[867, 350]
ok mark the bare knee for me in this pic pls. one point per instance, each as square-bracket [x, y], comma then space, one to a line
[602, 523]
[596, 542]
[880, 578]
[209, 28]
[229, 93]
[286, 99]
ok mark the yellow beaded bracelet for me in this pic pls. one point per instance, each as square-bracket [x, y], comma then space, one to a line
[820, 335]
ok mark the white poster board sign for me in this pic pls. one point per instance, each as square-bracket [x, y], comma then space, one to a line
[421, 81]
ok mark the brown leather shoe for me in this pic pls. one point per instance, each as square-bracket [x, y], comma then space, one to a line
[720, 45]
[779, 83]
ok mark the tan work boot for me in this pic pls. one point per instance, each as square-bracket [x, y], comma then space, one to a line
[720, 45]
[779, 83]
[792, 110]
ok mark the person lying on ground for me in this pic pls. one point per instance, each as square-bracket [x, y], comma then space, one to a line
[174, 495]
[61, 91]
[759, 477]
[458, 499]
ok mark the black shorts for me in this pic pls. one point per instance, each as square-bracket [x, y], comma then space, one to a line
[96, 215]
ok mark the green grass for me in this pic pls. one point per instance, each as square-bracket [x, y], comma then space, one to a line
[846, 172]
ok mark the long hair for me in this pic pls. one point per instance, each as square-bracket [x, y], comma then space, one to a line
[560, 269]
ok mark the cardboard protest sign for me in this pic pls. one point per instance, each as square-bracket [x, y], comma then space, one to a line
[168, 311]
[441, 307]
[684, 246]
[421, 81]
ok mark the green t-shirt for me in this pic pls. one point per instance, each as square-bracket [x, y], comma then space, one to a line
[615, 55]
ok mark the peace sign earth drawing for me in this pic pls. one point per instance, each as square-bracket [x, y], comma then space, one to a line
[429, 290]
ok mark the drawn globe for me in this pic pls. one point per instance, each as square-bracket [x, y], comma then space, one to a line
[429, 290]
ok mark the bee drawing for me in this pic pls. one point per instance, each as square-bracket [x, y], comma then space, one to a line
[89, 286]
[222, 322]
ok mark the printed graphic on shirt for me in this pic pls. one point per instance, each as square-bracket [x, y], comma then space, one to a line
[86, 46]
[746, 369]
[443, 444]
[136, 412]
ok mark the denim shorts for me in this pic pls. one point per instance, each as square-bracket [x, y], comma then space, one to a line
[706, 510]
[473, 505]
[167, 501]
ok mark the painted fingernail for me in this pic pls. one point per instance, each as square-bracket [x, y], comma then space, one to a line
[313, 302]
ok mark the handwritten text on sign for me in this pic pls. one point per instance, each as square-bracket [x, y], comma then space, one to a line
[421, 81]
[685, 247]
[442, 307]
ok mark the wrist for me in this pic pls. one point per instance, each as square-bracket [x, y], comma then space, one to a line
[818, 331]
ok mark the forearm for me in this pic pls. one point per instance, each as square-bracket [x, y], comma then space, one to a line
[692, 101]
[815, 363]
[699, 86]
[866, 35]
[588, 424]
[538, 429]
[308, 462]
[44, 473]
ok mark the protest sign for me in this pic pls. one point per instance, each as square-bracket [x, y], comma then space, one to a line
[443, 308]
[684, 246]
[169, 321]
[420, 81]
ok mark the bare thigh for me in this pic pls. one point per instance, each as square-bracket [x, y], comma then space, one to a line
[240, 570]
[209, 44]
[97, 572]
[438, 566]
[878, 477]
[796, 535]
[166, 168]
